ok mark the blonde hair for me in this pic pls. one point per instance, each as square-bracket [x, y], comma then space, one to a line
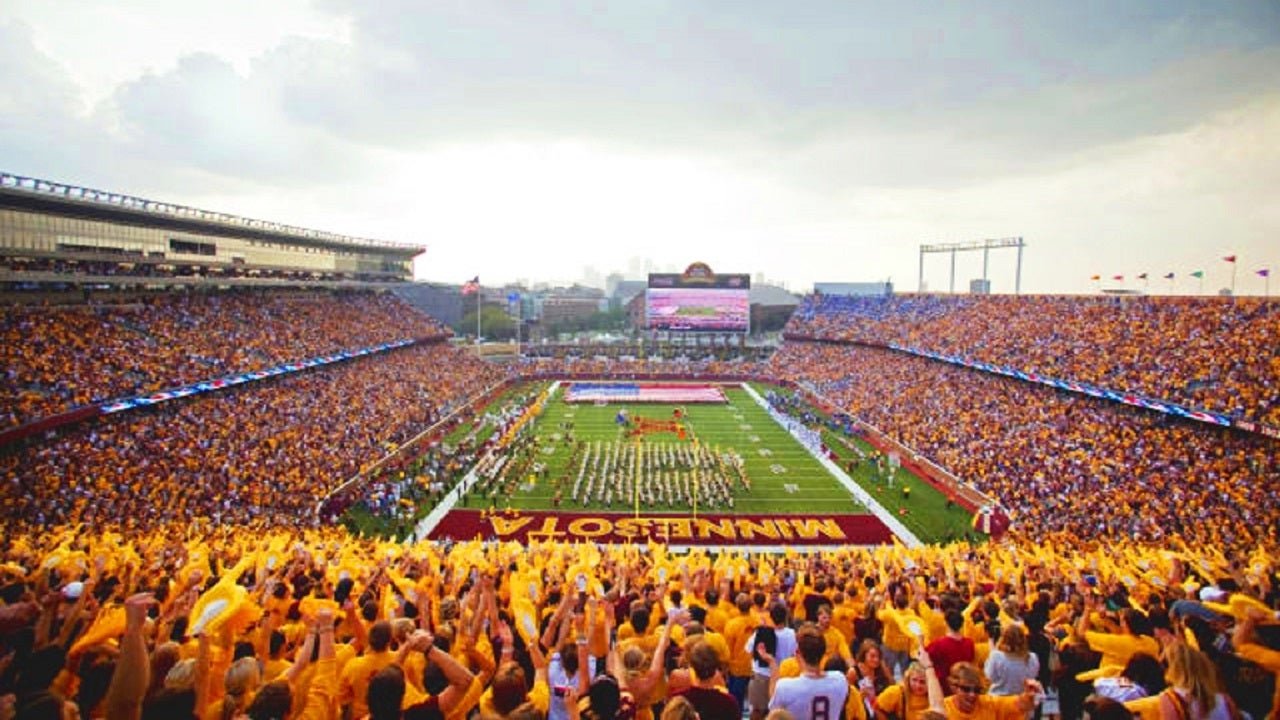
[679, 708]
[241, 681]
[182, 676]
[634, 661]
[915, 668]
[1191, 670]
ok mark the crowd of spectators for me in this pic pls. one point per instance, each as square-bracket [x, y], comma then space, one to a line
[1065, 465]
[167, 562]
[261, 454]
[420, 476]
[1210, 353]
[61, 357]
[198, 622]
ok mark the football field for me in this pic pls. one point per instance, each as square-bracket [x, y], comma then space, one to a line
[709, 473]
[783, 476]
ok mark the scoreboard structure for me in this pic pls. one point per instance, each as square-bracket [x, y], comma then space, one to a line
[698, 300]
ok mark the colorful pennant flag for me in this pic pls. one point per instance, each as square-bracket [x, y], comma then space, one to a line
[1230, 258]
[1264, 272]
[1169, 276]
[1198, 274]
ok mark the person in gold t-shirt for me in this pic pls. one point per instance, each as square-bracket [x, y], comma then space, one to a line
[969, 702]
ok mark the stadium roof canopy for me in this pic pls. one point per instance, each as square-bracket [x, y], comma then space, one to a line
[25, 193]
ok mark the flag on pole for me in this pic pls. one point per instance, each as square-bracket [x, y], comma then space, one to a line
[1230, 258]
[1143, 276]
[1096, 277]
[471, 286]
[1198, 274]
[1265, 272]
[1169, 276]
[1118, 277]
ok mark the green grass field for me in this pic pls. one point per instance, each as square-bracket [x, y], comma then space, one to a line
[784, 476]
[928, 514]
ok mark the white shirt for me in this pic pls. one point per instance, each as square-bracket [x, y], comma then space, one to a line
[811, 698]
[557, 677]
[1119, 688]
[786, 648]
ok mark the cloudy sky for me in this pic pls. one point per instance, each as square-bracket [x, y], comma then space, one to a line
[812, 141]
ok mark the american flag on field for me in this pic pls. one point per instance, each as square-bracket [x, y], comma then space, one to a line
[646, 393]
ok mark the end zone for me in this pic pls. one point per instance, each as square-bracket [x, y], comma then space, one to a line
[738, 530]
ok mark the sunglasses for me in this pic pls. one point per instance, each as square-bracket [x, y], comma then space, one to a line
[966, 689]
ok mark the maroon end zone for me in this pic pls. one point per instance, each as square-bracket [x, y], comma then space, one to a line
[797, 530]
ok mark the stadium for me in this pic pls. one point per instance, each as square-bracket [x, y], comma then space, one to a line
[230, 433]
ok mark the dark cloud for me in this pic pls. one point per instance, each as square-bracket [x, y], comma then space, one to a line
[979, 90]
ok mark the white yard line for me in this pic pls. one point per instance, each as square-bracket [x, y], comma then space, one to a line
[907, 537]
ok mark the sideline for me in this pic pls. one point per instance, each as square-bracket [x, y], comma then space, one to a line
[895, 526]
[424, 527]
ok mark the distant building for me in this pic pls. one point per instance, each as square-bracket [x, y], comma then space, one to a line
[567, 304]
[443, 302]
[771, 307]
[636, 317]
[624, 290]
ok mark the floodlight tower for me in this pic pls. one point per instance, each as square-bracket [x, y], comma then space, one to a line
[985, 246]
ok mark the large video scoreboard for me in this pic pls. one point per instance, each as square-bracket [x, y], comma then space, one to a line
[698, 300]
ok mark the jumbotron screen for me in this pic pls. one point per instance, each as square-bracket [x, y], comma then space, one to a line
[699, 301]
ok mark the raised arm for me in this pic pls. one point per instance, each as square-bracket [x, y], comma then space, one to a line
[133, 671]
[322, 693]
[936, 698]
[204, 659]
[457, 675]
[359, 633]
[641, 685]
[551, 636]
[301, 659]
[81, 615]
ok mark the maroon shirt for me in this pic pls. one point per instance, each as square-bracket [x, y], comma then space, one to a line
[947, 651]
[711, 703]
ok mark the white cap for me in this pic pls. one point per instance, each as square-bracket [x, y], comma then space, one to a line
[1209, 593]
[72, 590]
